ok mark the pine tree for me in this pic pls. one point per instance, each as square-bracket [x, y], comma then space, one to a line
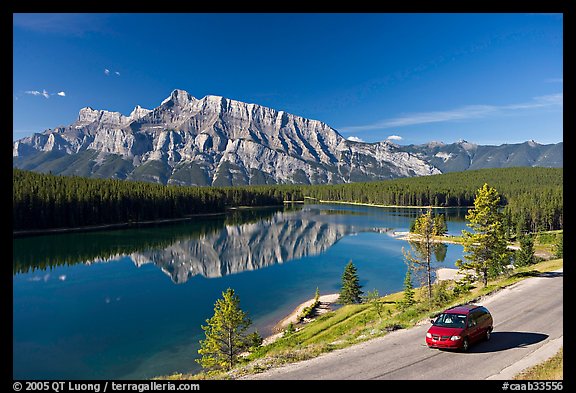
[350, 292]
[559, 247]
[485, 247]
[525, 255]
[289, 330]
[408, 290]
[225, 333]
[440, 226]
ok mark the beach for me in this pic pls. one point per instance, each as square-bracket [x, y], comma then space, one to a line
[326, 304]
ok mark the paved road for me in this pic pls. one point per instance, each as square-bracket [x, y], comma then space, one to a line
[528, 327]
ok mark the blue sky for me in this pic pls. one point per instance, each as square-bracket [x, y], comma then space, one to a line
[410, 78]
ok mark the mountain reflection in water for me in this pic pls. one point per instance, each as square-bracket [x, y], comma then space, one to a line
[242, 240]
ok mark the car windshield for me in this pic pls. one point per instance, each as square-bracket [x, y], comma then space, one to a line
[451, 320]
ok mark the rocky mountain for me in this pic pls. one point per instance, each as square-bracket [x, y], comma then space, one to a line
[462, 155]
[210, 141]
[218, 141]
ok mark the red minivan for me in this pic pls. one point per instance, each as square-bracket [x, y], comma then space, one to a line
[458, 327]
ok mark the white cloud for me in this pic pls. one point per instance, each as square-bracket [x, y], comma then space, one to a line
[394, 138]
[355, 139]
[462, 113]
[109, 72]
[42, 93]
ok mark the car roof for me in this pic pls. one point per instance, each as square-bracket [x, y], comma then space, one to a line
[464, 309]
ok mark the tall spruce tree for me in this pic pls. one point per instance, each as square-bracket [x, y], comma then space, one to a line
[350, 292]
[559, 246]
[485, 248]
[440, 226]
[225, 333]
[525, 255]
[408, 299]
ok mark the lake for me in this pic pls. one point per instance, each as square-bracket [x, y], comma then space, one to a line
[128, 304]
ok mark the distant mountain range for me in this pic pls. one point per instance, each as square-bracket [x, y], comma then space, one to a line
[462, 155]
[219, 141]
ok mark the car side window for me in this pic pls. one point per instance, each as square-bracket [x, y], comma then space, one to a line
[482, 315]
[473, 319]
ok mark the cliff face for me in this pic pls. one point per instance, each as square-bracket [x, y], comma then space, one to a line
[218, 141]
[211, 141]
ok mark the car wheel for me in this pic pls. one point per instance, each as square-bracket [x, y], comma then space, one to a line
[465, 345]
[488, 334]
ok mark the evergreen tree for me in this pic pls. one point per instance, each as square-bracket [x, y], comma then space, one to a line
[225, 333]
[408, 290]
[440, 226]
[254, 341]
[485, 248]
[559, 247]
[350, 292]
[426, 226]
[525, 255]
[289, 330]
[520, 227]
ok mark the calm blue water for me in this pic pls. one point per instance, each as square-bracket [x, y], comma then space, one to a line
[128, 304]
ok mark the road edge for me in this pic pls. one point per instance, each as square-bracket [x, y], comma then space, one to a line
[540, 355]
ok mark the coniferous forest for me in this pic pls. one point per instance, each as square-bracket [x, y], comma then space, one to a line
[532, 198]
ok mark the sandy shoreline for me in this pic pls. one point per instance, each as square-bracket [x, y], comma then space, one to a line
[388, 206]
[447, 273]
[414, 237]
[326, 302]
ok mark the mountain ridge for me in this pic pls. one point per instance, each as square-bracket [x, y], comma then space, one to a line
[219, 141]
